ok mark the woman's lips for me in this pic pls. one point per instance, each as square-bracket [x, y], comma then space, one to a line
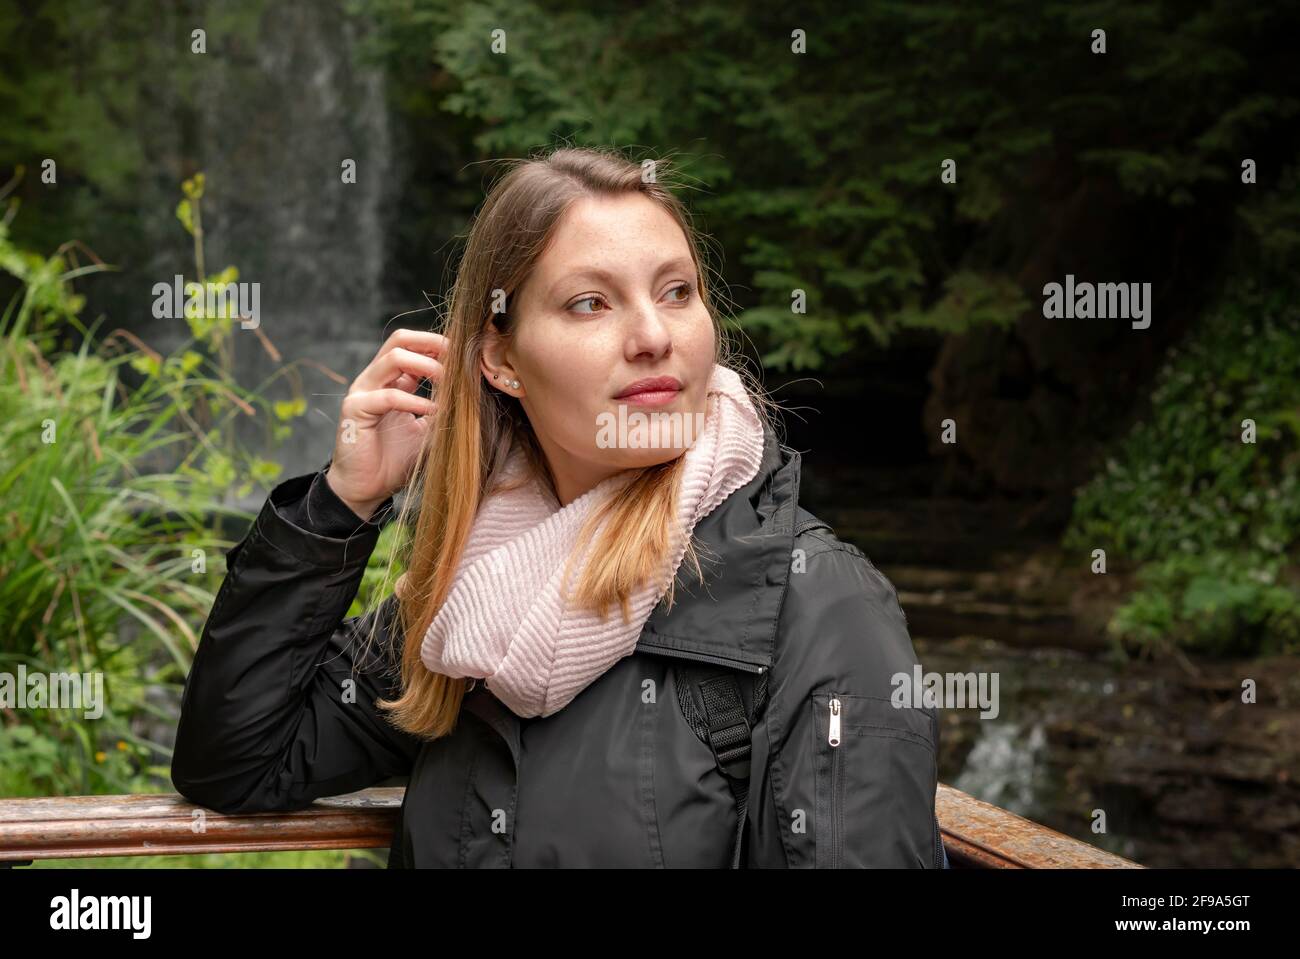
[650, 391]
[650, 398]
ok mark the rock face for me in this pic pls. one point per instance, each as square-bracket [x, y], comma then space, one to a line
[1185, 773]
[1034, 405]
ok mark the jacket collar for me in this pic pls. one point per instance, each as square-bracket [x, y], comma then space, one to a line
[745, 546]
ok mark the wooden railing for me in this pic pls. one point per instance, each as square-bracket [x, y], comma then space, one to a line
[976, 834]
[980, 835]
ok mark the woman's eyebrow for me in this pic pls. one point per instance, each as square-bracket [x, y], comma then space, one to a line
[595, 272]
[677, 263]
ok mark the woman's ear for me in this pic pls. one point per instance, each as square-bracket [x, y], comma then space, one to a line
[496, 368]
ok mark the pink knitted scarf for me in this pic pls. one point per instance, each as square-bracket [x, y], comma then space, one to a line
[505, 619]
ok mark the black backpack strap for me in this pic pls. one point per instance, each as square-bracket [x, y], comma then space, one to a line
[729, 737]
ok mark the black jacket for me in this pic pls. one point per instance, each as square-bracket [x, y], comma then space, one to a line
[623, 775]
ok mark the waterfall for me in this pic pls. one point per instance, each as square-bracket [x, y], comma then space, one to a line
[276, 110]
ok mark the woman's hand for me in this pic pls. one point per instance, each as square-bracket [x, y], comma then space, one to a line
[383, 422]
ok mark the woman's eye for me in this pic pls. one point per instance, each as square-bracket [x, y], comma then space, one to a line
[585, 299]
[684, 290]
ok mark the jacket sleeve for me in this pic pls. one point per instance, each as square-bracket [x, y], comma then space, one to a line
[278, 708]
[861, 795]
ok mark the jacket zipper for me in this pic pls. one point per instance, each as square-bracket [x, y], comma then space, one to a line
[837, 788]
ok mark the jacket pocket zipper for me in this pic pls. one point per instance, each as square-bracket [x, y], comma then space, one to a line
[837, 782]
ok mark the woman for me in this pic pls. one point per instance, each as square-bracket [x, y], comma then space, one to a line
[559, 685]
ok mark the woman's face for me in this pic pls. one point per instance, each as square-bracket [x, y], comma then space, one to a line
[612, 300]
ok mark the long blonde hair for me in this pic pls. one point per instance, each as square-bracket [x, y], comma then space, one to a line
[475, 426]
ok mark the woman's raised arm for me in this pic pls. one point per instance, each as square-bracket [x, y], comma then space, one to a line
[279, 707]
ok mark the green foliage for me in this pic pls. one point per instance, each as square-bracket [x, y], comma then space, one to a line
[823, 169]
[116, 466]
[1273, 220]
[377, 580]
[88, 536]
[105, 90]
[70, 74]
[1209, 523]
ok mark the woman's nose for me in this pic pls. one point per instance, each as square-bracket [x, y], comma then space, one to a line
[648, 332]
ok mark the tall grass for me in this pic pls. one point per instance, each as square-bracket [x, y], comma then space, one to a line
[117, 465]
